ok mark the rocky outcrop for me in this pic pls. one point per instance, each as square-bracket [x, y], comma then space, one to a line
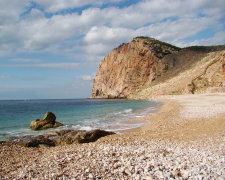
[212, 77]
[146, 67]
[48, 121]
[76, 136]
[55, 138]
[130, 67]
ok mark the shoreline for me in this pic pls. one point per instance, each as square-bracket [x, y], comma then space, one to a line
[126, 118]
[173, 145]
[115, 120]
[206, 110]
[141, 120]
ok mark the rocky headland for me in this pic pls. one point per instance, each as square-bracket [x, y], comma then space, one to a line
[146, 67]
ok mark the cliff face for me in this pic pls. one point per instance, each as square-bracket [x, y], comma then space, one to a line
[130, 67]
[212, 76]
[194, 72]
[146, 67]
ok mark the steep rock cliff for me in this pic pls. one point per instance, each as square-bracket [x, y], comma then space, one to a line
[130, 67]
[146, 67]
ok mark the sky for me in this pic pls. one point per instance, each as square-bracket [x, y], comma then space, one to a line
[51, 49]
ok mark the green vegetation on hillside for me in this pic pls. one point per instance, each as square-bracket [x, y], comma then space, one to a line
[155, 41]
[206, 48]
[162, 49]
[193, 48]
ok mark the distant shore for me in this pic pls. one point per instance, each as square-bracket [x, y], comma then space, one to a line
[184, 139]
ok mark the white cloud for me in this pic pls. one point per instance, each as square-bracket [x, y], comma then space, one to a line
[87, 77]
[171, 31]
[58, 5]
[4, 77]
[105, 34]
[37, 33]
[10, 12]
[26, 60]
[101, 40]
[217, 39]
[44, 65]
[102, 29]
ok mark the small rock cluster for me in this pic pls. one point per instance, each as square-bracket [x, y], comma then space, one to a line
[55, 138]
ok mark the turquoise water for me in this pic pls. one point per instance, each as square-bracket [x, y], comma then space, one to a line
[83, 114]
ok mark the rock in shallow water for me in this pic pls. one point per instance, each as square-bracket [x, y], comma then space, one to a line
[63, 137]
[47, 122]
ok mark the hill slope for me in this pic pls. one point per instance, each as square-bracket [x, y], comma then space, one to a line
[147, 67]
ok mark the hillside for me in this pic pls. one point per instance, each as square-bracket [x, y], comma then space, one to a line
[146, 67]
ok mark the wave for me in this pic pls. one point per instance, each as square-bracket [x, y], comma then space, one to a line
[78, 114]
[126, 111]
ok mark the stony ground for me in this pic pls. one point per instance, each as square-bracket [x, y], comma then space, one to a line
[157, 151]
[140, 159]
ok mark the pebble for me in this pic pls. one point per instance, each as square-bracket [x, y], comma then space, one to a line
[197, 160]
[91, 176]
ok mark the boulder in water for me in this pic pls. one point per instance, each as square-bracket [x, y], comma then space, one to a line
[47, 122]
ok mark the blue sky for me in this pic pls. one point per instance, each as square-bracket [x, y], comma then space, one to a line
[52, 48]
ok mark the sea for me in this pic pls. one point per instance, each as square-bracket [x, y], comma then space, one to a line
[81, 114]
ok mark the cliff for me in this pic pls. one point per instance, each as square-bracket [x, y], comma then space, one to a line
[147, 67]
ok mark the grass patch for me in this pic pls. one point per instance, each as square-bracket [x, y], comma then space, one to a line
[153, 41]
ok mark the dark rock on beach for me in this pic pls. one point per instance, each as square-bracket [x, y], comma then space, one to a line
[30, 141]
[76, 136]
[54, 138]
[48, 121]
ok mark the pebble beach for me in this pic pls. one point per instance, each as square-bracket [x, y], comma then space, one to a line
[185, 139]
